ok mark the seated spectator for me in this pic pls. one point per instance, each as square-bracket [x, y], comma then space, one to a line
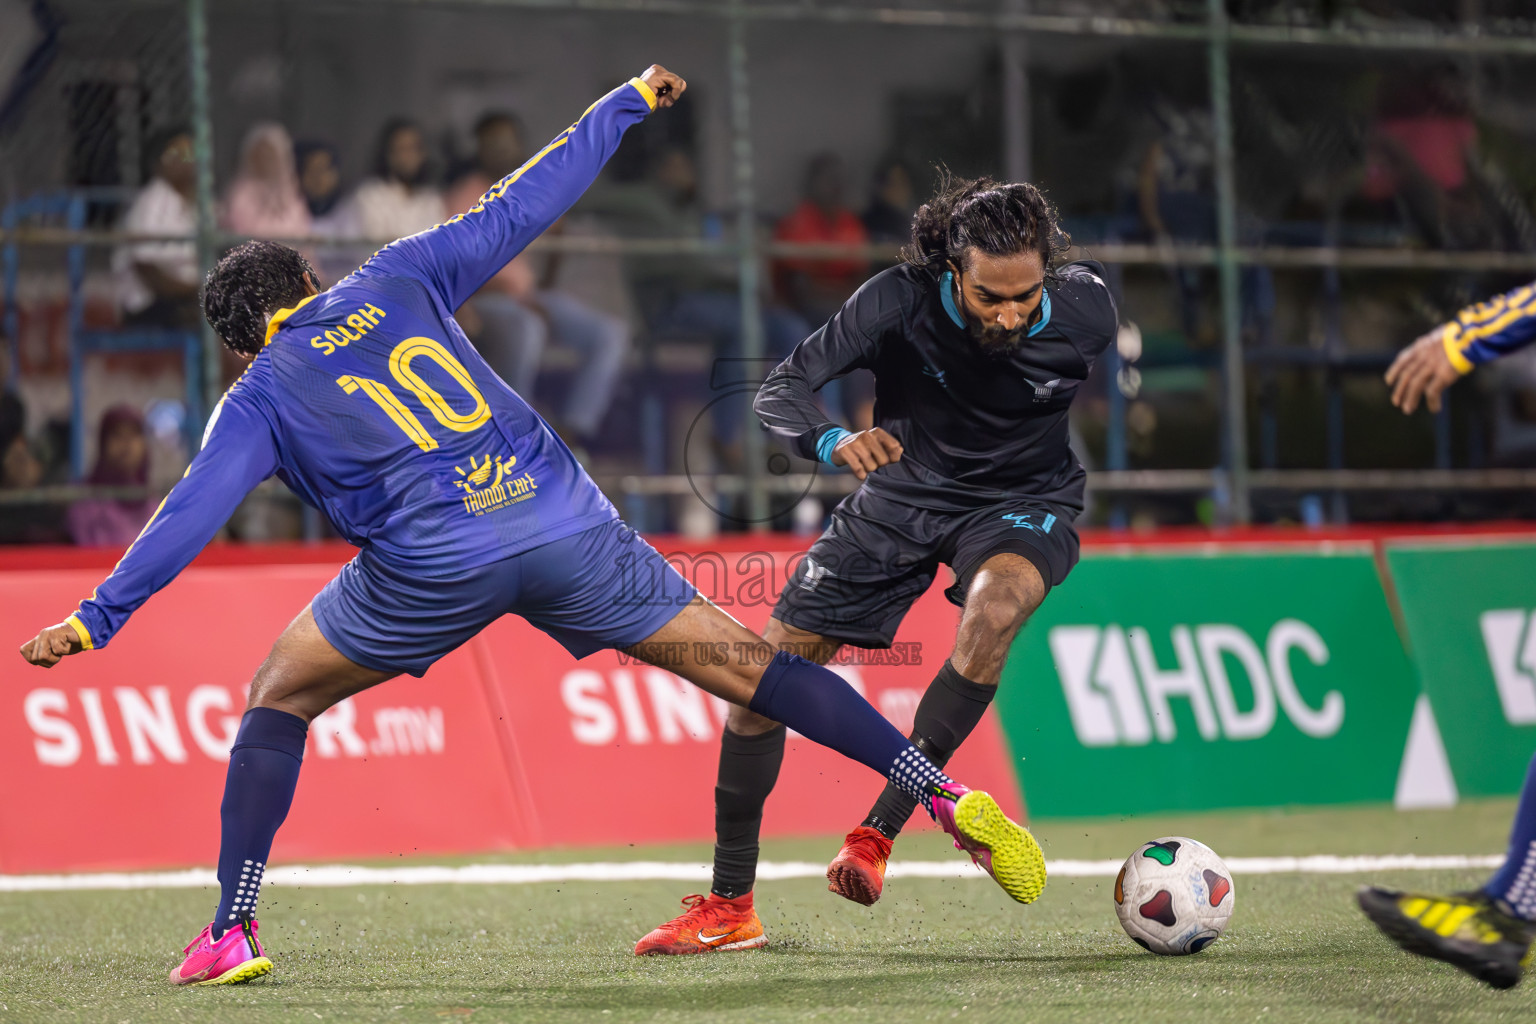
[319, 169]
[514, 316]
[690, 295]
[158, 281]
[1176, 198]
[264, 200]
[1424, 154]
[817, 287]
[21, 469]
[887, 219]
[401, 200]
[122, 460]
[686, 294]
[892, 202]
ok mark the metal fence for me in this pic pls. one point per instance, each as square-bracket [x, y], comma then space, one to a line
[1263, 273]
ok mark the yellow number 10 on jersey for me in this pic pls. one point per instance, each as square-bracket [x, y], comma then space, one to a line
[400, 367]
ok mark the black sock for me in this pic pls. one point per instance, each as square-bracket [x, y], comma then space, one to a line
[945, 716]
[749, 767]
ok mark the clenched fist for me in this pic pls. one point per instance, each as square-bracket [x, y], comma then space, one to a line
[866, 451]
[667, 86]
[51, 644]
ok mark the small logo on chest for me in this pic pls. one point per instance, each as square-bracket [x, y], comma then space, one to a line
[937, 375]
[1045, 390]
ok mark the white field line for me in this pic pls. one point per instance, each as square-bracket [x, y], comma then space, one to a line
[331, 876]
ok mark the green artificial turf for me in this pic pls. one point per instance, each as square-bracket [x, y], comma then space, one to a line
[933, 949]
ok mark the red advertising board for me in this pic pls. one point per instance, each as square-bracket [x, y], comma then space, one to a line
[115, 759]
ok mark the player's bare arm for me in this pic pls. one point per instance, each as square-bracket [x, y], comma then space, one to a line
[1422, 371]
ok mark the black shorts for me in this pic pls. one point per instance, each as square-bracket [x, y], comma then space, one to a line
[879, 555]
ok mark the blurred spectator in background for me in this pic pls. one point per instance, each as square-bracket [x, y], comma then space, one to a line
[1176, 193]
[888, 220]
[401, 200]
[264, 200]
[20, 468]
[158, 281]
[122, 460]
[687, 294]
[892, 202]
[318, 166]
[516, 314]
[690, 295]
[817, 287]
[1423, 155]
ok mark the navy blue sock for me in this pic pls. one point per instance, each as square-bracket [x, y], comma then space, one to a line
[1515, 882]
[263, 772]
[820, 706]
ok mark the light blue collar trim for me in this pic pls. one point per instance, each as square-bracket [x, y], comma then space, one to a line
[947, 297]
[1045, 314]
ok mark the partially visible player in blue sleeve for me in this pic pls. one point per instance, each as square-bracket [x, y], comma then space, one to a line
[368, 401]
[1478, 334]
[1489, 932]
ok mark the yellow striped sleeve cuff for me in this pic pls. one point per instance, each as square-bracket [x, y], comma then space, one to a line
[80, 631]
[1453, 352]
[646, 91]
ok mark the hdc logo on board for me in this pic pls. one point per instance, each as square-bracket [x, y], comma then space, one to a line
[1510, 640]
[1118, 693]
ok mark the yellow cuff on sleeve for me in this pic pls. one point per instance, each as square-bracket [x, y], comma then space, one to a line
[646, 91]
[1454, 354]
[80, 631]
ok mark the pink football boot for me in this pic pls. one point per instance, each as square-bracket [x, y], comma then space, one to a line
[237, 956]
[1000, 846]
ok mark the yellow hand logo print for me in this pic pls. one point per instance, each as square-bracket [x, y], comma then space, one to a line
[479, 475]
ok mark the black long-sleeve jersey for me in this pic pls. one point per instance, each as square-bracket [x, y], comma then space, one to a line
[975, 429]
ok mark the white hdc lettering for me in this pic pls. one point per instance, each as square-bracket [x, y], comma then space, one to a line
[1119, 694]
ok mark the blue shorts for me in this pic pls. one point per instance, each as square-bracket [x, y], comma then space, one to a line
[604, 587]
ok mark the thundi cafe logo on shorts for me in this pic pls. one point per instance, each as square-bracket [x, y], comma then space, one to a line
[1118, 694]
[488, 485]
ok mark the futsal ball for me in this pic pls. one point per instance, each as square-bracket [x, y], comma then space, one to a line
[1174, 896]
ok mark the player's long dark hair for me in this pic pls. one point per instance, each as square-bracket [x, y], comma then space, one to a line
[998, 219]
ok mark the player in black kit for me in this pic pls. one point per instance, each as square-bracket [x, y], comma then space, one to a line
[978, 343]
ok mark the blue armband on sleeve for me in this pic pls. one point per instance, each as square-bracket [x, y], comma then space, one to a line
[830, 440]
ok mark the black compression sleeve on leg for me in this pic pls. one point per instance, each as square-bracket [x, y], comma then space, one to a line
[948, 712]
[749, 767]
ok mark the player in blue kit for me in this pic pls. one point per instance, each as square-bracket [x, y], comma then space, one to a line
[368, 401]
[1489, 932]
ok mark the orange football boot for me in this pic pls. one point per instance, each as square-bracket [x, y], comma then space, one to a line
[710, 924]
[858, 871]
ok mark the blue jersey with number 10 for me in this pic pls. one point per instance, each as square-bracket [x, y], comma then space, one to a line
[369, 402]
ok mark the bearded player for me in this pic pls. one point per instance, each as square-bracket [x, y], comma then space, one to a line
[978, 343]
[466, 507]
[1489, 932]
